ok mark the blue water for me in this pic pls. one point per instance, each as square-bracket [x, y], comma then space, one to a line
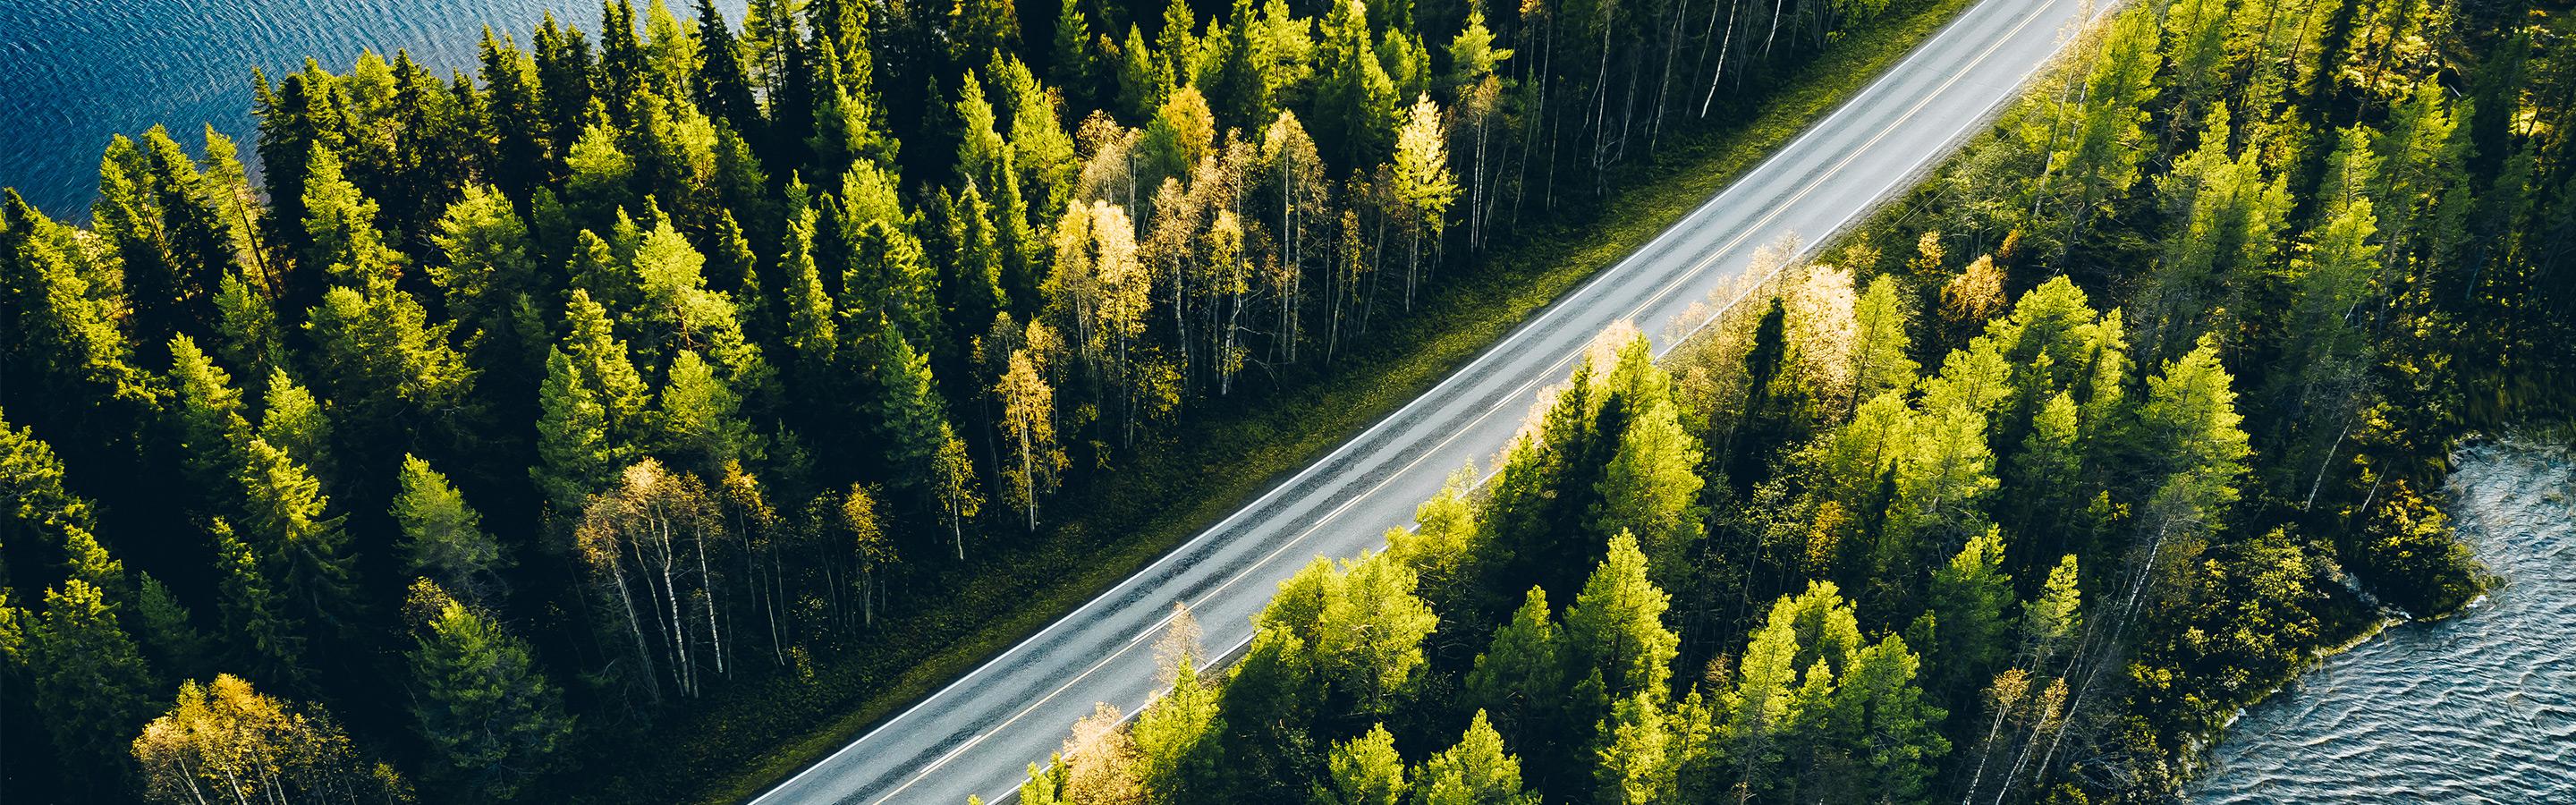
[75, 72]
[2479, 708]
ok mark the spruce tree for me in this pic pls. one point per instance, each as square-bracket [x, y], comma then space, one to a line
[700, 417]
[491, 718]
[722, 84]
[1355, 100]
[576, 456]
[176, 649]
[301, 545]
[88, 677]
[1364, 771]
[208, 412]
[442, 536]
[908, 410]
[1476, 771]
[1972, 601]
[1616, 625]
[1514, 679]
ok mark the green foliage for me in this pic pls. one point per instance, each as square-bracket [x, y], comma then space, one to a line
[1355, 100]
[2053, 618]
[1475, 771]
[170, 640]
[489, 716]
[443, 538]
[422, 233]
[1364, 771]
[296, 424]
[1972, 601]
[267, 639]
[1615, 628]
[1651, 487]
[383, 359]
[2406, 550]
[210, 418]
[88, 677]
[340, 228]
[574, 452]
[1177, 739]
[1516, 677]
[699, 417]
[301, 546]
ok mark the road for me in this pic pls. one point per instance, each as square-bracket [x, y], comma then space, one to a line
[978, 735]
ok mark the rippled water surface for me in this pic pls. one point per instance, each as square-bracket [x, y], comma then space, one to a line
[74, 72]
[2477, 708]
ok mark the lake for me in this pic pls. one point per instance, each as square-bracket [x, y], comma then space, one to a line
[75, 72]
[2476, 708]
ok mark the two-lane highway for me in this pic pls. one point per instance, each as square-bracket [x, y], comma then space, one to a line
[978, 735]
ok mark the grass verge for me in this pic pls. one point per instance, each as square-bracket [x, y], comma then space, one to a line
[1212, 465]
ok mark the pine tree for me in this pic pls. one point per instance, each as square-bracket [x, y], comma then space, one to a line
[912, 422]
[443, 538]
[1640, 757]
[295, 424]
[59, 333]
[607, 369]
[2051, 619]
[340, 227]
[490, 717]
[1177, 749]
[575, 455]
[267, 639]
[2192, 442]
[1616, 625]
[1650, 490]
[487, 264]
[1355, 101]
[247, 334]
[1364, 771]
[201, 248]
[1880, 359]
[209, 416]
[889, 281]
[300, 544]
[848, 123]
[2099, 159]
[1142, 84]
[1363, 624]
[723, 86]
[670, 53]
[1894, 732]
[513, 112]
[88, 677]
[1515, 677]
[971, 288]
[35, 505]
[1070, 57]
[1234, 79]
[700, 417]
[1476, 771]
[171, 641]
[1972, 600]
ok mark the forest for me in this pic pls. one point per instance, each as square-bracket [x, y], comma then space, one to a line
[464, 432]
[2017, 493]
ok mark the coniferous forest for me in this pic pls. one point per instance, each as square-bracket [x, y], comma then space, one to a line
[2018, 493]
[467, 431]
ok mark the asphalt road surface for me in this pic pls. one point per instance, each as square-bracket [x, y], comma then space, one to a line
[978, 735]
